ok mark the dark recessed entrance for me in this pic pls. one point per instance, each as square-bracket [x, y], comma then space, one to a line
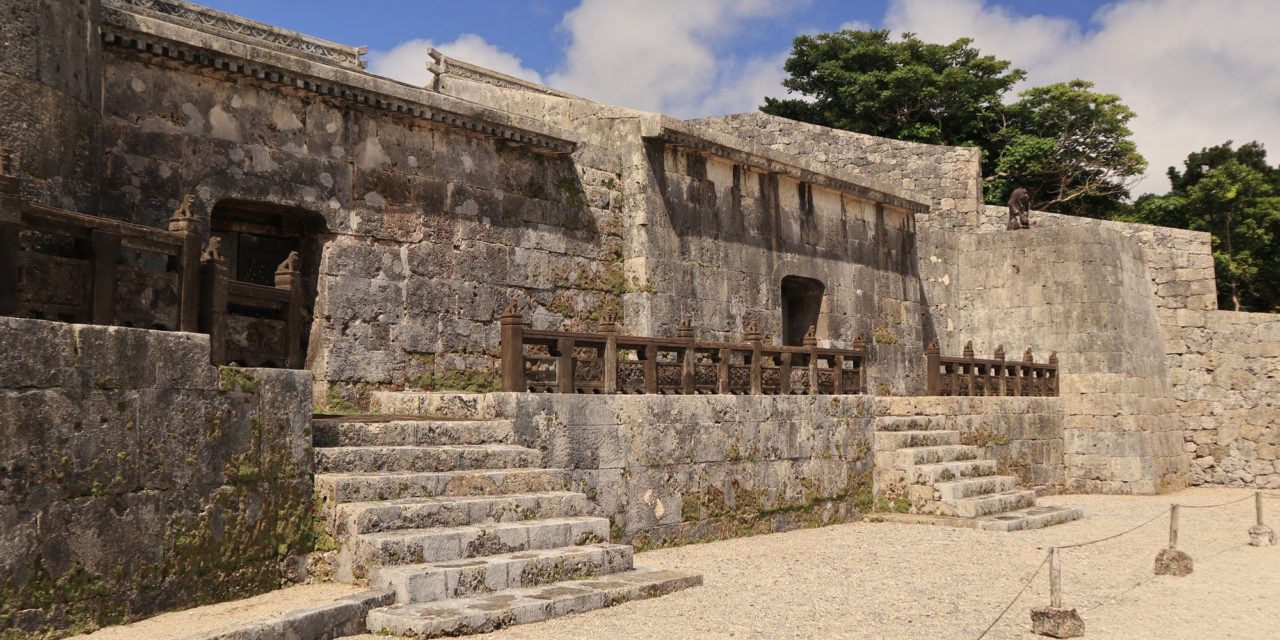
[801, 304]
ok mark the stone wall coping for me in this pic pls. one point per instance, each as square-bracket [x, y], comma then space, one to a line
[244, 29]
[160, 37]
[792, 126]
[448, 65]
[1203, 238]
[698, 136]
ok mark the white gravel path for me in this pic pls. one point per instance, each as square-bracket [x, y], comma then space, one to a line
[888, 580]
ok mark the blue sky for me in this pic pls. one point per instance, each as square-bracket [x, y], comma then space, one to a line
[1197, 72]
[529, 28]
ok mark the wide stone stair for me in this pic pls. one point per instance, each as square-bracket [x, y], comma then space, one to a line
[466, 527]
[924, 468]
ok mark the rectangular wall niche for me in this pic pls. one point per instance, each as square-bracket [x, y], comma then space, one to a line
[801, 304]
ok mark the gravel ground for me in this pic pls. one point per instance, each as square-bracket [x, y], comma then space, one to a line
[890, 580]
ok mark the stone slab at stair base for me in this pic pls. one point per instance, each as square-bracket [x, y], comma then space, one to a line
[481, 614]
[314, 614]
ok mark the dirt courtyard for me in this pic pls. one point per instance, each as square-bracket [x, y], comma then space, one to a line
[890, 580]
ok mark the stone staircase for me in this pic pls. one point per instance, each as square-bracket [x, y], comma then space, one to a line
[921, 467]
[466, 527]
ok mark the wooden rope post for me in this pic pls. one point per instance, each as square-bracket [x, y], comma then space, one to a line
[1171, 561]
[1055, 579]
[1260, 535]
[512, 348]
[1054, 620]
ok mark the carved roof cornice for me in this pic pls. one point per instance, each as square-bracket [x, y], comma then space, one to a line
[162, 40]
[700, 138]
[243, 29]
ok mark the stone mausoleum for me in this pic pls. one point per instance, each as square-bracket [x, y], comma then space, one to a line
[269, 318]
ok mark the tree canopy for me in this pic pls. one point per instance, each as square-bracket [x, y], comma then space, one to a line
[1066, 144]
[1233, 194]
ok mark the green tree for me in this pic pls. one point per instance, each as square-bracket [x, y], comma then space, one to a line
[1234, 195]
[907, 89]
[1069, 147]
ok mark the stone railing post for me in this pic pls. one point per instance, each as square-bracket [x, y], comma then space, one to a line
[860, 346]
[999, 381]
[512, 348]
[685, 333]
[722, 371]
[1027, 373]
[289, 277]
[811, 342]
[933, 362]
[651, 368]
[10, 222]
[566, 366]
[191, 229]
[1053, 378]
[609, 368]
[970, 368]
[213, 299]
[106, 255]
[753, 337]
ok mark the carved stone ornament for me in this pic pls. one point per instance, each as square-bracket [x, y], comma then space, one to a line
[212, 250]
[290, 264]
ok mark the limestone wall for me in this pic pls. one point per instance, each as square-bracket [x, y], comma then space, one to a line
[1085, 293]
[136, 478]
[1224, 370]
[683, 468]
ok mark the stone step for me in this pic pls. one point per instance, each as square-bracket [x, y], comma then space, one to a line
[456, 511]
[471, 406]
[950, 492]
[461, 578]
[910, 423]
[356, 487]
[1033, 518]
[890, 440]
[442, 458]
[995, 503]
[440, 544]
[935, 454]
[949, 471]
[493, 611]
[362, 433]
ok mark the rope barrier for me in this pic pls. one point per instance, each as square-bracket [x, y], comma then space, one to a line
[1112, 537]
[1214, 506]
[1015, 599]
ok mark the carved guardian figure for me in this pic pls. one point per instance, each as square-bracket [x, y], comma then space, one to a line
[1019, 210]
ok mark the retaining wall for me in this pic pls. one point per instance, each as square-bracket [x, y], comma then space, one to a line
[136, 478]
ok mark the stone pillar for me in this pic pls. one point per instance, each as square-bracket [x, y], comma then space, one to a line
[51, 114]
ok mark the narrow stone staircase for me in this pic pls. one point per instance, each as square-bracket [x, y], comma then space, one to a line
[466, 527]
[921, 467]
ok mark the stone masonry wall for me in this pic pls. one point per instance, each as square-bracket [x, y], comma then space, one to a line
[1225, 369]
[136, 478]
[669, 469]
[1083, 292]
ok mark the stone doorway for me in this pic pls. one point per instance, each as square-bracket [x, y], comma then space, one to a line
[801, 306]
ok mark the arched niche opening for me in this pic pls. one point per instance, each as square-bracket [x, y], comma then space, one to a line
[801, 305]
[256, 239]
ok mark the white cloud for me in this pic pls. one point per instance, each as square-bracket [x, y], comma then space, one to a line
[407, 62]
[1197, 73]
[664, 55]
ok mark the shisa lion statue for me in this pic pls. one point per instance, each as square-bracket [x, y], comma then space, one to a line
[1019, 210]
